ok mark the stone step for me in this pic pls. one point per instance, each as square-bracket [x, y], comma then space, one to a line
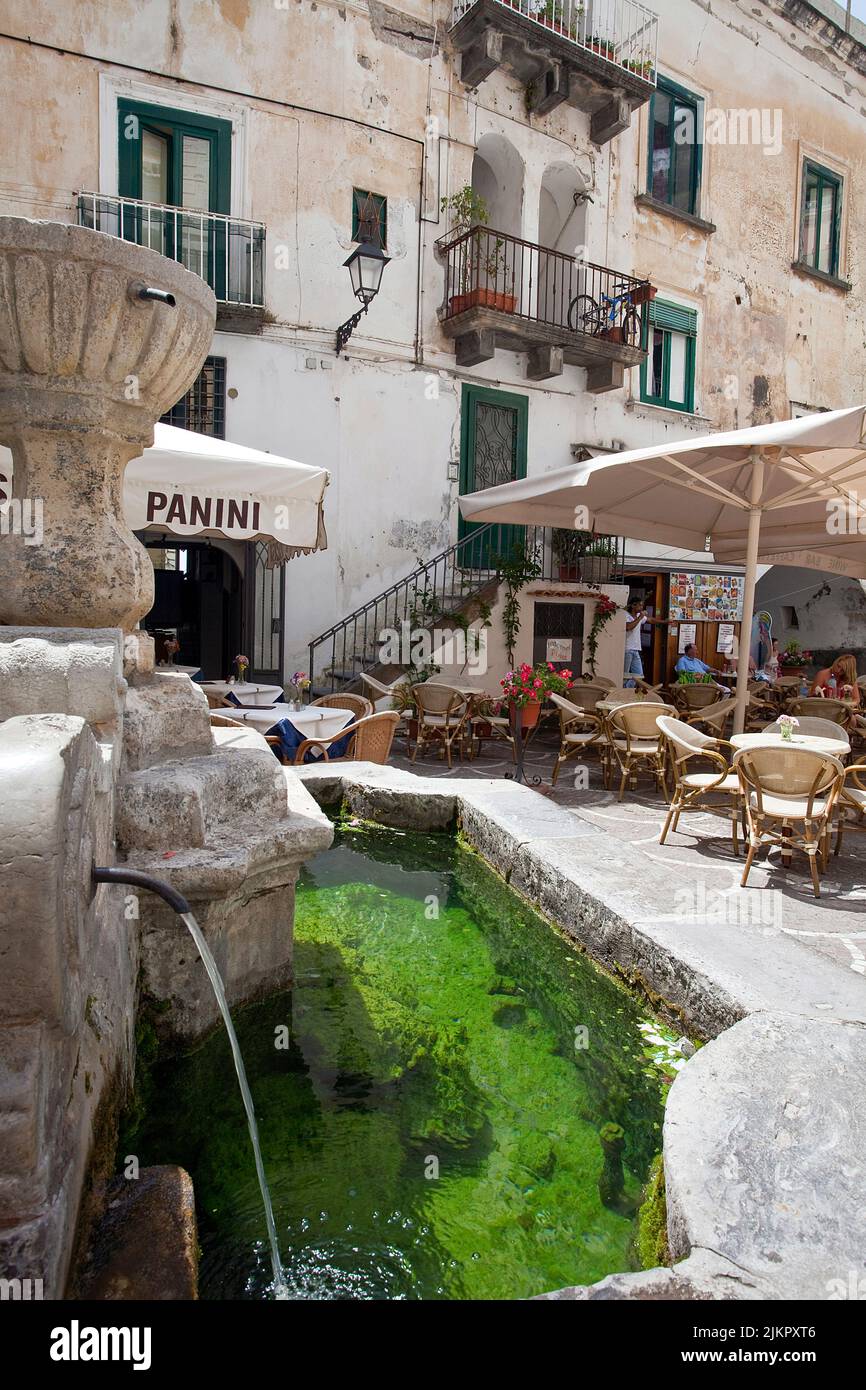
[185, 804]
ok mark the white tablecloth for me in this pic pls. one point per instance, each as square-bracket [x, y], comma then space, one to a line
[247, 691]
[836, 747]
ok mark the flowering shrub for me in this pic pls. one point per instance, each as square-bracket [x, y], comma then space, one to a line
[534, 683]
[604, 611]
[793, 655]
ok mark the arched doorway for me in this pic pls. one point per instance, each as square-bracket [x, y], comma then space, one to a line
[562, 205]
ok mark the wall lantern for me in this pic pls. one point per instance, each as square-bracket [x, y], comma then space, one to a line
[365, 266]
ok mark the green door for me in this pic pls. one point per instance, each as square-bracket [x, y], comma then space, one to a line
[493, 441]
[173, 159]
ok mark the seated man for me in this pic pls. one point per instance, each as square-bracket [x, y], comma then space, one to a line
[691, 663]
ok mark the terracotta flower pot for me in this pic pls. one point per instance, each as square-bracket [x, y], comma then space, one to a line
[569, 574]
[529, 714]
[483, 298]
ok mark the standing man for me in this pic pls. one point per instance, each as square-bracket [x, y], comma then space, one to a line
[636, 616]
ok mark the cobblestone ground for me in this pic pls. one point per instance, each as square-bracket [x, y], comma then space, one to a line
[705, 875]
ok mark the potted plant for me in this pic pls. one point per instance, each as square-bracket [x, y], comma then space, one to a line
[526, 689]
[793, 661]
[481, 260]
[597, 560]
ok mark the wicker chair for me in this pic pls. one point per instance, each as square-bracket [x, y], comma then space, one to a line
[690, 698]
[371, 740]
[442, 713]
[222, 721]
[629, 696]
[760, 711]
[581, 727]
[713, 718]
[381, 696]
[690, 787]
[790, 796]
[635, 741]
[835, 711]
[499, 726]
[852, 802]
[360, 707]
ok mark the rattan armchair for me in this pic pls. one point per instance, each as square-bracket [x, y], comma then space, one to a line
[790, 796]
[691, 788]
[442, 713]
[370, 742]
[851, 806]
[690, 698]
[713, 718]
[358, 704]
[581, 727]
[480, 727]
[635, 741]
[834, 711]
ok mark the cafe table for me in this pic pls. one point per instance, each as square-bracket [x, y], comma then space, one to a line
[248, 692]
[311, 721]
[835, 747]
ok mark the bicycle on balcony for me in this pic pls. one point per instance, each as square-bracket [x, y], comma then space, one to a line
[616, 316]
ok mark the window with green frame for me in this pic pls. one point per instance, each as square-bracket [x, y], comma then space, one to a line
[173, 157]
[820, 218]
[675, 146]
[369, 218]
[667, 376]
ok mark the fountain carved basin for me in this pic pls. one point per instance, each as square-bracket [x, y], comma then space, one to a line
[86, 367]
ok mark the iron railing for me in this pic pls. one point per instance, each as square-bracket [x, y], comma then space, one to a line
[488, 269]
[446, 585]
[227, 252]
[621, 32]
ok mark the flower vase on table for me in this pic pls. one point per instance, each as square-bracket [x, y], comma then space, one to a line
[299, 687]
[787, 725]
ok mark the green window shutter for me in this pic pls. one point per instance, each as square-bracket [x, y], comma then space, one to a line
[370, 216]
[134, 116]
[673, 317]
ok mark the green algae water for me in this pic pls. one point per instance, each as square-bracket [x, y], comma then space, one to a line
[452, 1102]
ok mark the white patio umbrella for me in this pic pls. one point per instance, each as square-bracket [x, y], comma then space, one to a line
[189, 484]
[788, 493]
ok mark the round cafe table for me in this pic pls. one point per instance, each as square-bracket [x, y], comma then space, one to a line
[312, 722]
[836, 747]
[248, 692]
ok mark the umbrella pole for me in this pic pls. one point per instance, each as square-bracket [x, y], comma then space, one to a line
[755, 493]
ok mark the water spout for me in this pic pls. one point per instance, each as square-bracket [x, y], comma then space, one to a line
[178, 903]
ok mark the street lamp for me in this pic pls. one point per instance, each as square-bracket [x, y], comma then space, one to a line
[365, 266]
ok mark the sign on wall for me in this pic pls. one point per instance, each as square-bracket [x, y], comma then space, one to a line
[688, 633]
[706, 597]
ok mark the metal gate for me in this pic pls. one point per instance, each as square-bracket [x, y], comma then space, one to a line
[263, 626]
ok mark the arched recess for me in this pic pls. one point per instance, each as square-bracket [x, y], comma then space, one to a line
[562, 205]
[497, 175]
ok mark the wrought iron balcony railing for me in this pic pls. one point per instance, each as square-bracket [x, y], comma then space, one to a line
[621, 32]
[227, 252]
[486, 269]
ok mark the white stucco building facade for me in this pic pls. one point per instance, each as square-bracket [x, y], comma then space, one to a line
[308, 104]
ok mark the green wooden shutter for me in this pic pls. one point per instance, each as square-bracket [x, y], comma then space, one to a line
[673, 317]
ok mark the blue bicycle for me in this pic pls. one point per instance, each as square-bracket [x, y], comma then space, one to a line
[586, 315]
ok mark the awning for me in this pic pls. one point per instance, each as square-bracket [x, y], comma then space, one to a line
[188, 484]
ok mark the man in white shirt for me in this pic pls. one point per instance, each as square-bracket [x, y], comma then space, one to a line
[636, 616]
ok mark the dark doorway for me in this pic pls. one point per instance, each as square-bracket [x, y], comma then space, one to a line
[198, 593]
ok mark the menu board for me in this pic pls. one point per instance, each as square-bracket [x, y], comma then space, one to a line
[713, 598]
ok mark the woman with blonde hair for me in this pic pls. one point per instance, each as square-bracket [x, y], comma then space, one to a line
[844, 673]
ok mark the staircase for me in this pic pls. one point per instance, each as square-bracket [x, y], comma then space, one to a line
[457, 583]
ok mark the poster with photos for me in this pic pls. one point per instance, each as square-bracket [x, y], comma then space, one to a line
[707, 598]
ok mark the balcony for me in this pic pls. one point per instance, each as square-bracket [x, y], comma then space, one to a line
[227, 252]
[598, 55]
[501, 292]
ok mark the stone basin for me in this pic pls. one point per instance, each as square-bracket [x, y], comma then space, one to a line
[86, 366]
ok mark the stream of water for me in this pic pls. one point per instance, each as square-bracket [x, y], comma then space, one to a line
[210, 965]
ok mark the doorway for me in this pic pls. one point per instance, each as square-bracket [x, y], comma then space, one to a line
[493, 450]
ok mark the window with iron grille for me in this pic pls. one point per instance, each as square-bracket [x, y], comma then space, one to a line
[369, 218]
[203, 408]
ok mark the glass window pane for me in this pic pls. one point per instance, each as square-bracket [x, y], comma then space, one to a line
[677, 387]
[810, 217]
[655, 363]
[154, 167]
[195, 173]
[685, 155]
[826, 257]
[661, 147]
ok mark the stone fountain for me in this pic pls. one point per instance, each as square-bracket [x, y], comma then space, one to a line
[102, 759]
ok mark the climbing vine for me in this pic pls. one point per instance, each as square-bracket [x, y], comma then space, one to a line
[515, 570]
[604, 611]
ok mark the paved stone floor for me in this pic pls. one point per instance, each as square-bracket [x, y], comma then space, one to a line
[705, 876]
